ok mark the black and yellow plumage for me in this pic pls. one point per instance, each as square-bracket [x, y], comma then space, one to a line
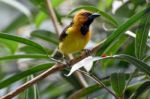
[76, 35]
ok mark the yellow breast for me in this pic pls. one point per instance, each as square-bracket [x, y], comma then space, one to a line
[74, 41]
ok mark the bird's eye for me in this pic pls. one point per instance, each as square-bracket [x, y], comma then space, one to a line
[86, 14]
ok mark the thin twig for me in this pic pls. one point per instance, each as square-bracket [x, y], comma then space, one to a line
[103, 85]
[53, 16]
[94, 78]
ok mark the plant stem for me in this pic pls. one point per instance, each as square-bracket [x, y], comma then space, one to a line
[53, 16]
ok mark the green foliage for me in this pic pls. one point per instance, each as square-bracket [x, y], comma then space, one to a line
[32, 92]
[21, 40]
[18, 76]
[145, 86]
[142, 35]
[45, 35]
[122, 54]
[118, 83]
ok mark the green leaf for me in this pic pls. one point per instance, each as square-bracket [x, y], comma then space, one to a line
[146, 59]
[137, 63]
[37, 56]
[89, 90]
[10, 44]
[132, 88]
[118, 83]
[16, 23]
[40, 18]
[18, 6]
[45, 35]
[53, 89]
[145, 86]
[21, 75]
[27, 50]
[21, 40]
[32, 92]
[124, 11]
[141, 36]
[94, 9]
[124, 27]
[113, 48]
[56, 3]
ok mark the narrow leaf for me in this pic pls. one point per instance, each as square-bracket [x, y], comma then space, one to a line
[145, 86]
[141, 36]
[21, 40]
[9, 44]
[24, 56]
[21, 75]
[27, 49]
[89, 90]
[18, 6]
[118, 83]
[136, 62]
[32, 92]
[142, 66]
[40, 18]
[113, 48]
[124, 27]
[45, 35]
[16, 23]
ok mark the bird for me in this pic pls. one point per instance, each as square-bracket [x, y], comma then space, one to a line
[77, 34]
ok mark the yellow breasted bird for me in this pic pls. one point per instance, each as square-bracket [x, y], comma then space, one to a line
[76, 35]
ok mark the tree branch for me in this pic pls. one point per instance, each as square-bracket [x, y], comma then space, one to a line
[55, 68]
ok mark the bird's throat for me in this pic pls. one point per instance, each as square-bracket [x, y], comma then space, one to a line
[84, 29]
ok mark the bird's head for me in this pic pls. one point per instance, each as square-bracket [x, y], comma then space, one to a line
[84, 17]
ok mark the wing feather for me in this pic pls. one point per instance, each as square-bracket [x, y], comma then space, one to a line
[64, 34]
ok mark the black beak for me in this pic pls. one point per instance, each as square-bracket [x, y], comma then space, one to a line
[94, 15]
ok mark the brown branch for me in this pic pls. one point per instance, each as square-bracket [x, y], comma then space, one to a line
[55, 68]
[53, 16]
[81, 79]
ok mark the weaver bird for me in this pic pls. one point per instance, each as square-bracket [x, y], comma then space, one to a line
[76, 35]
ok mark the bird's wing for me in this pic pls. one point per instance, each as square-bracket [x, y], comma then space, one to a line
[64, 34]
